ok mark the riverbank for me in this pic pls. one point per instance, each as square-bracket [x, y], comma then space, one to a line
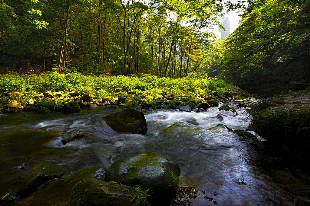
[284, 121]
[53, 91]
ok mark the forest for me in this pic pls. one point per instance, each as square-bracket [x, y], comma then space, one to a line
[140, 102]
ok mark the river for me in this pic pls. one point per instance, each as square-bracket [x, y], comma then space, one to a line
[213, 158]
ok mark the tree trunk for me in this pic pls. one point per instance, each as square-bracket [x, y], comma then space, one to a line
[188, 59]
[124, 37]
[63, 47]
[181, 63]
[174, 59]
[169, 57]
[137, 56]
[158, 55]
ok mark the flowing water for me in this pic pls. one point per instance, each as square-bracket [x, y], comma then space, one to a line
[212, 157]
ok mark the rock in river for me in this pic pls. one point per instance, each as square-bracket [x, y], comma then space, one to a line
[93, 192]
[72, 135]
[29, 181]
[82, 188]
[186, 108]
[149, 171]
[127, 121]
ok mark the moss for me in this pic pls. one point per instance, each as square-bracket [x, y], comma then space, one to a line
[131, 166]
[90, 191]
[59, 191]
[55, 193]
[25, 183]
[177, 128]
[81, 188]
[150, 172]
[147, 159]
[285, 121]
[46, 169]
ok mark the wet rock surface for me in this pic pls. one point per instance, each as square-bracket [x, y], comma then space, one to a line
[72, 135]
[93, 192]
[30, 179]
[151, 172]
[285, 123]
[127, 121]
[185, 108]
[81, 188]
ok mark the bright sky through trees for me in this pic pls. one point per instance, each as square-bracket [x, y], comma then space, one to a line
[233, 18]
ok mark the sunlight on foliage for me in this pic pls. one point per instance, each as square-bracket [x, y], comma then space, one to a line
[144, 91]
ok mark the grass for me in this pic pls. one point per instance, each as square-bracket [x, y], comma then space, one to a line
[53, 91]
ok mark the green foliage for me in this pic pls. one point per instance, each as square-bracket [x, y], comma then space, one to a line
[269, 50]
[111, 36]
[54, 90]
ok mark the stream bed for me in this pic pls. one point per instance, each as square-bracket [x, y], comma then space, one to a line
[213, 157]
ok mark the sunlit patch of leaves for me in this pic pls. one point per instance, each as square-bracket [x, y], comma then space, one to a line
[146, 90]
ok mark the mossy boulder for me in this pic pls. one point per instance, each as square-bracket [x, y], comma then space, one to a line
[82, 188]
[39, 175]
[91, 191]
[27, 181]
[188, 129]
[72, 135]
[127, 121]
[285, 121]
[46, 169]
[149, 171]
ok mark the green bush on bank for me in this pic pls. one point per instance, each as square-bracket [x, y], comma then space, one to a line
[269, 52]
[54, 90]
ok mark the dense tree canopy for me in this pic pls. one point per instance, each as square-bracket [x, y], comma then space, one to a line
[159, 37]
[269, 50]
[165, 38]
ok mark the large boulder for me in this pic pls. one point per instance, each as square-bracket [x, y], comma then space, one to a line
[91, 191]
[26, 181]
[83, 188]
[285, 122]
[149, 171]
[127, 121]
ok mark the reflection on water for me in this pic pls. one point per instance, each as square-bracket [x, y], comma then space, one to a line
[203, 144]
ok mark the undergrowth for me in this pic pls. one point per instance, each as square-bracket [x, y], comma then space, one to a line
[52, 91]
